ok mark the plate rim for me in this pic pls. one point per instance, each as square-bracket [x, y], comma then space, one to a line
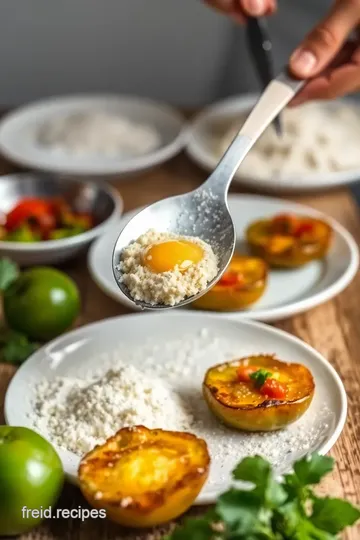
[156, 157]
[240, 104]
[211, 496]
[269, 314]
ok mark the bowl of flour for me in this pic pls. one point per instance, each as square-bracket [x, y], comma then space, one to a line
[318, 149]
[92, 135]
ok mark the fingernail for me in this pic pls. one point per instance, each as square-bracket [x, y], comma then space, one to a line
[255, 7]
[303, 62]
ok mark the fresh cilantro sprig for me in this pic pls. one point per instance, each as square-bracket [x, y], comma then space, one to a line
[9, 272]
[259, 377]
[15, 347]
[268, 509]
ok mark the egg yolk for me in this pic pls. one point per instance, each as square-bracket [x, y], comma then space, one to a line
[165, 256]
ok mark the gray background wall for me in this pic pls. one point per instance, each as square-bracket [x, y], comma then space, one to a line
[177, 50]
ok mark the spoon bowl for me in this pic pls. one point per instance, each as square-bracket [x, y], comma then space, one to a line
[201, 213]
[204, 213]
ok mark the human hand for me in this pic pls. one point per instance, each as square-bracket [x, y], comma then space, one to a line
[328, 57]
[240, 9]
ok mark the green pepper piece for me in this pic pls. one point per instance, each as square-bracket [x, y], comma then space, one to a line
[65, 232]
[58, 234]
[77, 230]
[22, 234]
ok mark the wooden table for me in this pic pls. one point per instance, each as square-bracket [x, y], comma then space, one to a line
[333, 329]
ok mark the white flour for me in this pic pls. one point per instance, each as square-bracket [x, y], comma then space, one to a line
[317, 139]
[177, 362]
[94, 409]
[98, 133]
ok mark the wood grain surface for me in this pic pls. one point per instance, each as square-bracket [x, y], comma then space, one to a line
[333, 329]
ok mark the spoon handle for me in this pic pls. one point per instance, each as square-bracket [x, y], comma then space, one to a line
[275, 97]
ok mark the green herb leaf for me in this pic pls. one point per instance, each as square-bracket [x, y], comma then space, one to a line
[258, 471]
[194, 529]
[260, 376]
[9, 272]
[15, 348]
[272, 510]
[253, 469]
[311, 469]
[333, 515]
[239, 510]
[307, 531]
[287, 519]
[291, 523]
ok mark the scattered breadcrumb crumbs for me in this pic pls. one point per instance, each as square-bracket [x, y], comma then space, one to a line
[157, 383]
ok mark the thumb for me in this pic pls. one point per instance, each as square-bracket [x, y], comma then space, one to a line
[325, 40]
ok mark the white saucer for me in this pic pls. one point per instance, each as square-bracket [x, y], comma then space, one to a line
[288, 292]
[18, 134]
[207, 340]
[210, 126]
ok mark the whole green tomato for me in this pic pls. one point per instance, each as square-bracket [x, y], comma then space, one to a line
[42, 303]
[31, 476]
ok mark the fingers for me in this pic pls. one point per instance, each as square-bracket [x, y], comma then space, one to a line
[325, 41]
[257, 8]
[338, 80]
[240, 9]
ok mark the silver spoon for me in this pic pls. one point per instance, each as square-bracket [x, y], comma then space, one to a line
[204, 213]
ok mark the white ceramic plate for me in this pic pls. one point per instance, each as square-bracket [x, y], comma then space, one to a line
[206, 340]
[288, 292]
[18, 134]
[209, 127]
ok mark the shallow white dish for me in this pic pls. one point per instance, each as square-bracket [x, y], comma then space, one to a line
[18, 134]
[288, 292]
[206, 334]
[209, 126]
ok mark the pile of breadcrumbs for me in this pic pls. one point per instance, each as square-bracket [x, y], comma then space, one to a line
[170, 287]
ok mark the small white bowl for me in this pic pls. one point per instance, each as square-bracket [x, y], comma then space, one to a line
[211, 125]
[19, 133]
[103, 202]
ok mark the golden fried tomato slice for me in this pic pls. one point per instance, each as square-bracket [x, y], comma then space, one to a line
[258, 393]
[144, 477]
[242, 284]
[289, 241]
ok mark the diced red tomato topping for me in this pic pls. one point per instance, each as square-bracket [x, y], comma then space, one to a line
[230, 279]
[291, 225]
[244, 372]
[305, 227]
[273, 389]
